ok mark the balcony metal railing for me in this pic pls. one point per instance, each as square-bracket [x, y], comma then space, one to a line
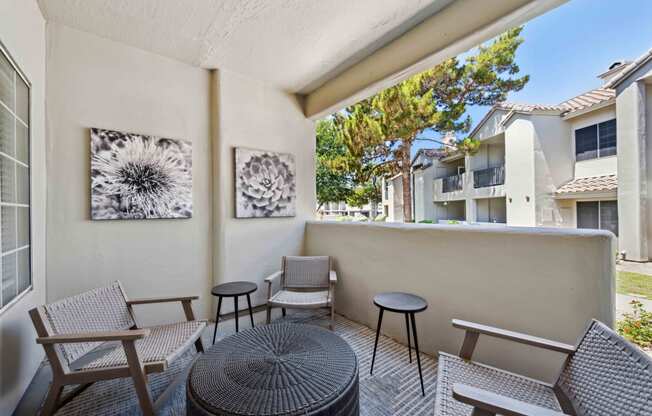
[452, 183]
[489, 177]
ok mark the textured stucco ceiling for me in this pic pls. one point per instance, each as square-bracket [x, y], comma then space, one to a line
[293, 44]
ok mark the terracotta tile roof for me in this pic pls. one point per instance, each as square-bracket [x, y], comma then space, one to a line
[527, 108]
[590, 184]
[639, 62]
[588, 99]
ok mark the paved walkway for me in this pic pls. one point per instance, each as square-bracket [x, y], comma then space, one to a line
[622, 304]
[622, 301]
[631, 266]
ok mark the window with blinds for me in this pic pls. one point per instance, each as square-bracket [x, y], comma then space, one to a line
[15, 240]
[598, 140]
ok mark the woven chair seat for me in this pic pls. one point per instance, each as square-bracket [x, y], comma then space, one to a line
[453, 369]
[312, 299]
[163, 344]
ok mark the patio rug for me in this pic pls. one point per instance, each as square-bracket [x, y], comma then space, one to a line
[394, 388]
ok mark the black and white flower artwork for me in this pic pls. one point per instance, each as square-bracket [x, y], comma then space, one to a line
[135, 176]
[265, 184]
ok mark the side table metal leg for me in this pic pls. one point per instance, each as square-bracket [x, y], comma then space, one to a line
[407, 325]
[373, 358]
[251, 312]
[416, 347]
[235, 303]
[217, 316]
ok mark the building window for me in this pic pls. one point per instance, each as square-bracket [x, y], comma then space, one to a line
[601, 215]
[598, 140]
[15, 240]
[386, 188]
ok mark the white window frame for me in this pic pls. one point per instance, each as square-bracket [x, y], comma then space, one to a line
[28, 124]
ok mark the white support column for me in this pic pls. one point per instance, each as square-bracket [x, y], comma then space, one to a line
[632, 172]
[471, 210]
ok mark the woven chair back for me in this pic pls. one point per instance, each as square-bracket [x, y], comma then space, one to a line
[607, 375]
[303, 272]
[102, 309]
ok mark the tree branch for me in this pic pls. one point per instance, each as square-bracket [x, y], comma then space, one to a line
[436, 141]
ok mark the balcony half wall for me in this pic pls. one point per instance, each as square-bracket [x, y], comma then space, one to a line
[545, 282]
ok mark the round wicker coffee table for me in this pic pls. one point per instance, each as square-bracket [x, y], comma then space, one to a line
[279, 369]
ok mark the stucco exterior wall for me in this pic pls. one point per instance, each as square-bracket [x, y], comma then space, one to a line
[22, 31]
[648, 165]
[424, 208]
[395, 199]
[524, 279]
[252, 114]
[553, 161]
[632, 176]
[520, 172]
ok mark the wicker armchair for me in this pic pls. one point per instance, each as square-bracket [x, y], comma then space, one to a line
[602, 375]
[305, 282]
[70, 328]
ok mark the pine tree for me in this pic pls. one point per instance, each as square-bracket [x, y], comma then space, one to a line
[379, 132]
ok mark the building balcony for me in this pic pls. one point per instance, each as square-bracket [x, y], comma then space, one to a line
[569, 270]
[452, 183]
[484, 178]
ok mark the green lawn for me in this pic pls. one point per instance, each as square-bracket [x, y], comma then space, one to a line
[634, 283]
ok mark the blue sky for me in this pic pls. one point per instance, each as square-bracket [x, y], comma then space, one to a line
[565, 49]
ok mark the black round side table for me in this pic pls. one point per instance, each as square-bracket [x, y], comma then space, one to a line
[233, 290]
[407, 304]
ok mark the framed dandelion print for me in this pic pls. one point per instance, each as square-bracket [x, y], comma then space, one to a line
[265, 184]
[135, 176]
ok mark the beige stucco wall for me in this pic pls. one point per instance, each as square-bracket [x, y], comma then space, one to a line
[632, 176]
[520, 173]
[94, 82]
[553, 160]
[648, 165]
[22, 31]
[395, 199]
[524, 279]
[424, 208]
[252, 114]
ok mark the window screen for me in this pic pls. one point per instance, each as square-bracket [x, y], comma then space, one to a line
[607, 135]
[609, 216]
[586, 143]
[588, 215]
[601, 215]
[14, 183]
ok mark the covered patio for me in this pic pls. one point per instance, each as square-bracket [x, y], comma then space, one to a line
[229, 75]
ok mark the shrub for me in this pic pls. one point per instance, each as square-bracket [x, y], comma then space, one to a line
[425, 222]
[637, 325]
[380, 218]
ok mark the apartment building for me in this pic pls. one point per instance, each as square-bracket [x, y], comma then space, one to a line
[332, 210]
[582, 163]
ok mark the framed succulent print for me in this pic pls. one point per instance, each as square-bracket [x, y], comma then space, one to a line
[265, 184]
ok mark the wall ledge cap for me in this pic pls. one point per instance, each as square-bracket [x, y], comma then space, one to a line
[491, 229]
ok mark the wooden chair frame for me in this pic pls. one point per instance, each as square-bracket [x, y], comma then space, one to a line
[63, 375]
[486, 403]
[278, 277]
